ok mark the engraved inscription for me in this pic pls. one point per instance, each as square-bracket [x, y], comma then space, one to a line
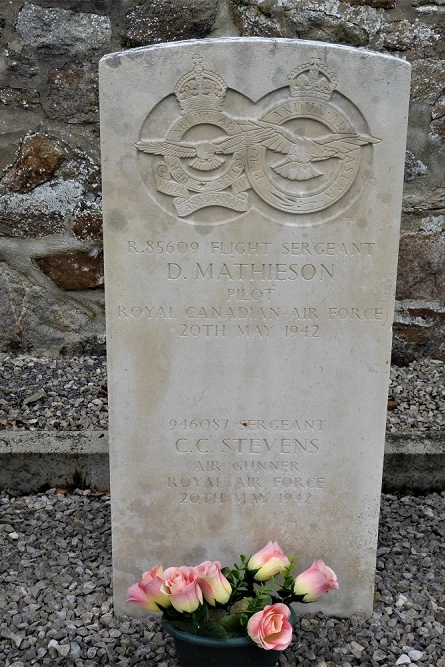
[273, 460]
[242, 271]
[252, 304]
[252, 321]
[255, 248]
[299, 157]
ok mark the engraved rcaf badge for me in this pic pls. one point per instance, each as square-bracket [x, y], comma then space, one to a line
[298, 160]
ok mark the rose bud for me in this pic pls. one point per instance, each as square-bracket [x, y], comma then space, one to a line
[147, 593]
[181, 586]
[214, 585]
[270, 628]
[315, 581]
[268, 562]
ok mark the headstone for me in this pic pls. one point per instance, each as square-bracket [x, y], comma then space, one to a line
[252, 193]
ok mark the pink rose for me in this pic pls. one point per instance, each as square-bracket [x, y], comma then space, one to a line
[181, 586]
[269, 561]
[315, 581]
[214, 585]
[270, 628]
[147, 593]
[156, 572]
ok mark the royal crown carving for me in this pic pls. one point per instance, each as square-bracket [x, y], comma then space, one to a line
[312, 79]
[200, 89]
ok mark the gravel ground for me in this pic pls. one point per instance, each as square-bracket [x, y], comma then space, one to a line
[56, 606]
[70, 394]
[55, 549]
[67, 394]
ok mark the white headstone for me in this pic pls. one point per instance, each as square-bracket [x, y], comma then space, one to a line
[252, 193]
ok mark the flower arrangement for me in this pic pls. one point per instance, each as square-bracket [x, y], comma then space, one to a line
[251, 599]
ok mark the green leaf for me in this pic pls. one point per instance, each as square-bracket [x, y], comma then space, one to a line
[201, 615]
[213, 630]
[284, 595]
[288, 577]
[231, 623]
[172, 614]
[258, 603]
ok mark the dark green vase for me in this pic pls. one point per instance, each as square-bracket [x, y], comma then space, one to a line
[195, 651]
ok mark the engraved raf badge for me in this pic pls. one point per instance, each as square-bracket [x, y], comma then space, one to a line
[299, 160]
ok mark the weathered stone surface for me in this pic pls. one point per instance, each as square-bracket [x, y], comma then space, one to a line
[73, 93]
[432, 223]
[88, 226]
[339, 22]
[419, 331]
[82, 162]
[315, 25]
[40, 212]
[421, 268]
[379, 24]
[414, 167]
[24, 64]
[14, 124]
[378, 4]
[34, 319]
[73, 270]
[19, 97]
[413, 334]
[428, 199]
[438, 109]
[252, 22]
[427, 80]
[261, 280]
[406, 35]
[438, 126]
[156, 21]
[61, 31]
[36, 163]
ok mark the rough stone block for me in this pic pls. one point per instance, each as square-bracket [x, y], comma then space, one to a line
[61, 30]
[73, 93]
[34, 319]
[421, 267]
[36, 163]
[156, 21]
[40, 212]
[88, 226]
[76, 270]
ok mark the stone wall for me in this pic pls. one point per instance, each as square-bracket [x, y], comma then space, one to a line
[51, 276]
